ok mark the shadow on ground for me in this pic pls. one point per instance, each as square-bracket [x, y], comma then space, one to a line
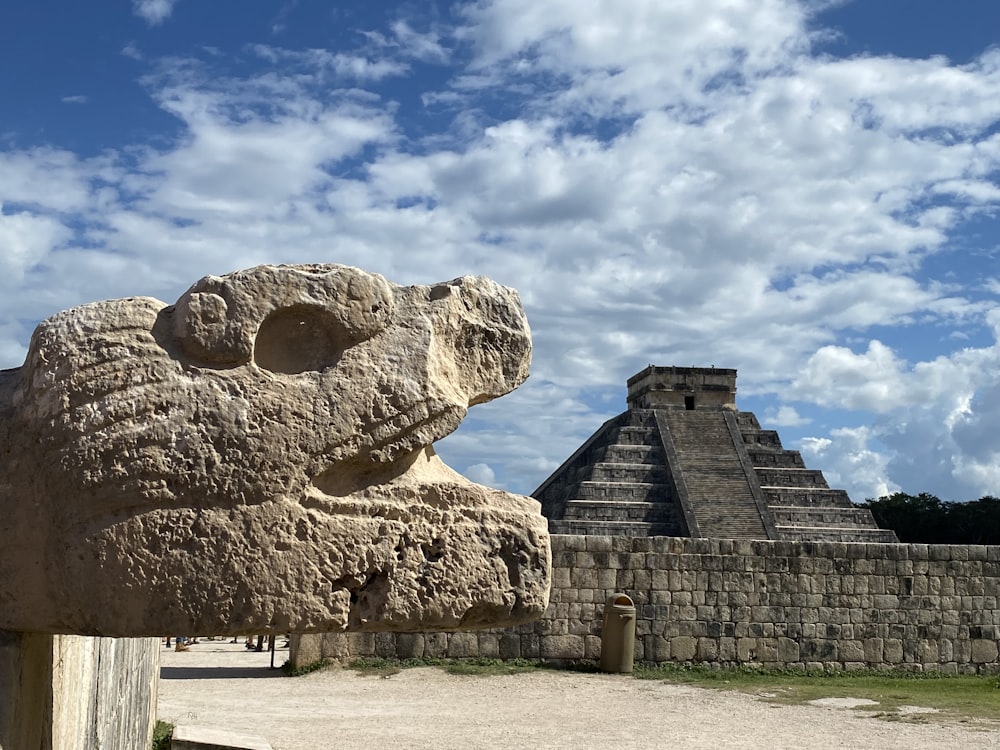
[217, 673]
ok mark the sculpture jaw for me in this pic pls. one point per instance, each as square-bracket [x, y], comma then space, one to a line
[418, 547]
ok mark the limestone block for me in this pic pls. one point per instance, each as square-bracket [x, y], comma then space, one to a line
[409, 645]
[569, 647]
[510, 646]
[892, 650]
[463, 645]
[436, 645]
[530, 646]
[853, 651]
[385, 645]
[306, 649]
[746, 649]
[788, 650]
[257, 458]
[767, 649]
[358, 644]
[683, 648]
[489, 645]
[707, 649]
[984, 651]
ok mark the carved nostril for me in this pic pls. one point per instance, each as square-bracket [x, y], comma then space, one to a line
[300, 339]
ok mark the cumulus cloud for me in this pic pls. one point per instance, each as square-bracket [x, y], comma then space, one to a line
[153, 12]
[354, 66]
[26, 238]
[131, 50]
[424, 46]
[850, 463]
[836, 376]
[785, 416]
[481, 474]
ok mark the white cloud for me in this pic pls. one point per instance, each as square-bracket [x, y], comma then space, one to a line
[26, 239]
[342, 65]
[44, 178]
[481, 474]
[785, 416]
[849, 463]
[836, 376]
[153, 12]
[424, 46]
[131, 50]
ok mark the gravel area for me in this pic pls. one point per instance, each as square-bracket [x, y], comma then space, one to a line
[220, 684]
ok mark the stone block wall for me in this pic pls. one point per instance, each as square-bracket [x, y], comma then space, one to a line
[798, 605]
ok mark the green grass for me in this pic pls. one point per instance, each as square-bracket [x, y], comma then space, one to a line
[971, 698]
[162, 733]
[305, 669]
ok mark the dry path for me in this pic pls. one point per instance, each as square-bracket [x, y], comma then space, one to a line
[219, 684]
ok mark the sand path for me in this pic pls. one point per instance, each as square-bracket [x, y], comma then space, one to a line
[220, 684]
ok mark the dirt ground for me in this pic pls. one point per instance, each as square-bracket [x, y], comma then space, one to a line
[220, 684]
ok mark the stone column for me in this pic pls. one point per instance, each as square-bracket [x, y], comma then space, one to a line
[62, 691]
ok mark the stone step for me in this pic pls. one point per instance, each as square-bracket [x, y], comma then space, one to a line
[612, 528]
[766, 438]
[807, 497]
[769, 458]
[772, 477]
[635, 436]
[628, 472]
[833, 534]
[819, 516]
[610, 510]
[627, 491]
[627, 453]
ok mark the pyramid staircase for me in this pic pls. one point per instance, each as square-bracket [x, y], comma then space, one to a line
[716, 481]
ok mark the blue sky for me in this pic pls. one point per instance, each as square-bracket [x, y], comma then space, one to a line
[805, 191]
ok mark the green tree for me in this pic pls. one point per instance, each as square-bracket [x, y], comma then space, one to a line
[977, 521]
[927, 519]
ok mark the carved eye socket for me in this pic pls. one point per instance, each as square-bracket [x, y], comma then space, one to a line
[300, 339]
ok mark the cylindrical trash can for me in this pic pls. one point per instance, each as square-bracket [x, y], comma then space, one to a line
[618, 634]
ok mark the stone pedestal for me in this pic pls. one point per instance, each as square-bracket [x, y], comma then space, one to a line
[63, 691]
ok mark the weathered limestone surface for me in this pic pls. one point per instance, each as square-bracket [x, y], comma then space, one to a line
[257, 457]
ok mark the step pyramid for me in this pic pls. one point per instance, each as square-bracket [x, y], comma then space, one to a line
[682, 461]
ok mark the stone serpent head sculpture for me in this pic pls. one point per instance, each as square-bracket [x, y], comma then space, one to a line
[257, 457]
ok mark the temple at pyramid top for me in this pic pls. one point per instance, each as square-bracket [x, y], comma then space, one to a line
[686, 388]
[682, 460]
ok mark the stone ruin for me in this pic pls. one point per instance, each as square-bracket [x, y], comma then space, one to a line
[257, 458]
[683, 461]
